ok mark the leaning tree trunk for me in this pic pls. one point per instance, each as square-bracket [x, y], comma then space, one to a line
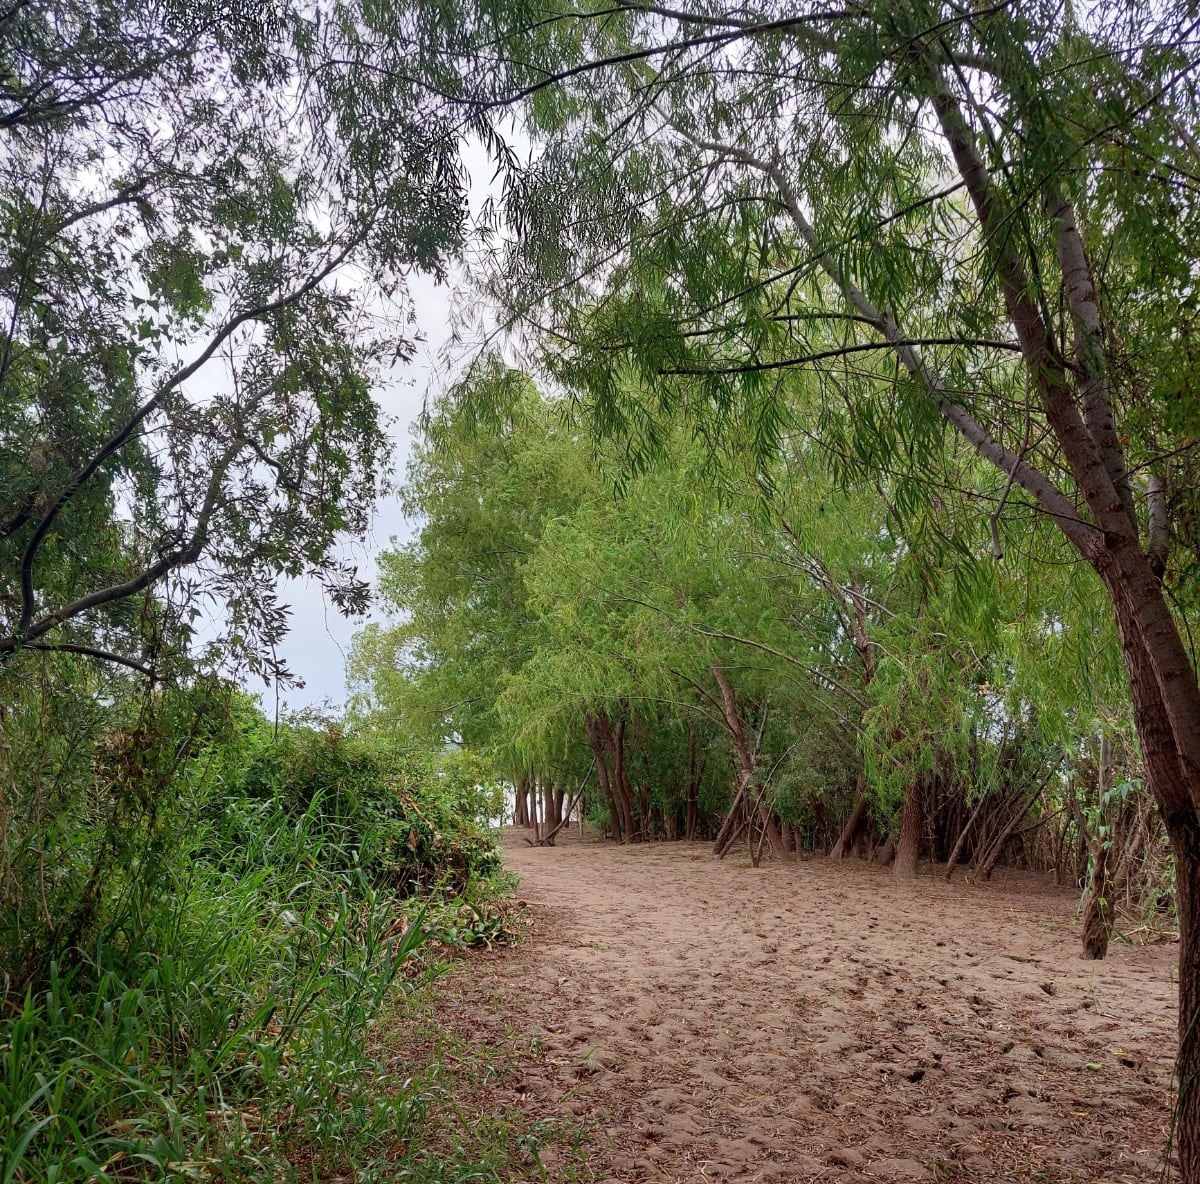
[908, 845]
[858, 816]
[986, 863]
[960, 842]
[1167, 712]
[1166, 704]
[747, 758]
[735, 821]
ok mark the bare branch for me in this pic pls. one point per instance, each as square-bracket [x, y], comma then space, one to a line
[91, 651]
[843, 351]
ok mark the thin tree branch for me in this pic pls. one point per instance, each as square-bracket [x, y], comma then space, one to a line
[89, 651]
[812, 671]
[179, 556]
[843, 351]
[1086, 539]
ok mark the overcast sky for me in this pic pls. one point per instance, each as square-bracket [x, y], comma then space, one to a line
[319, 640]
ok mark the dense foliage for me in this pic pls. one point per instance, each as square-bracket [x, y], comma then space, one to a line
[968, 235]
[193, 963]
[663, 642]
[846, 500]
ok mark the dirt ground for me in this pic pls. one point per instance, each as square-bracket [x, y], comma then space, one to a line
[813, 1021]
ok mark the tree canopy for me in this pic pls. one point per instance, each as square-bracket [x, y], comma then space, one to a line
[208, 215]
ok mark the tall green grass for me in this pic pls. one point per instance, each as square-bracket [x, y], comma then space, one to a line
[219, 1031]
[202, 918]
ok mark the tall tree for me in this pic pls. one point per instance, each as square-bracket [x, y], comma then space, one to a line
[1001, 201]
[207, 214]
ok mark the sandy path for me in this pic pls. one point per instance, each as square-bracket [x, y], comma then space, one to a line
[813, 1021]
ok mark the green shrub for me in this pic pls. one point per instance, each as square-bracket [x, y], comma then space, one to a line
[415, 822]
[205, 920]
[227, 1035]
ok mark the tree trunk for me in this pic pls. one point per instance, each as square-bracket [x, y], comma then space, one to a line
[1165, 708]
[645, 811]
[600, 754]
[1098, 911]
[616, 739]
[533, 813]
[1098, 908]
[693, 786]
[858, 815]
[1185, 842]
[748, 758]
[987, 863]
[771, 831]
[1123, 877]
[956, 854]
[734, 821]
[908, 845]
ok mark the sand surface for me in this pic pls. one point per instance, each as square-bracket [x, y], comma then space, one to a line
[809, 1021]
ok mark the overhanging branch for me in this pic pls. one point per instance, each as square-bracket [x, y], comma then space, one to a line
[845, 350]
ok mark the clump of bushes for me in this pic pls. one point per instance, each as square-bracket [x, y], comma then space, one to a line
[224, 912]
[413, 821]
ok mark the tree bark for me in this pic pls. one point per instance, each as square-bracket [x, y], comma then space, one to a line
[908, 845]
[1098, 911]
[1185, 842]
[1098, 907]
[858, 815]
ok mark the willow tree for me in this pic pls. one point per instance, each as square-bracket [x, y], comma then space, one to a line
[483, 491]
[1000, 200]
[644, 598]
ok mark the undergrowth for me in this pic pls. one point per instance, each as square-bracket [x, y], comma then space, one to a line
[214, 1018]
